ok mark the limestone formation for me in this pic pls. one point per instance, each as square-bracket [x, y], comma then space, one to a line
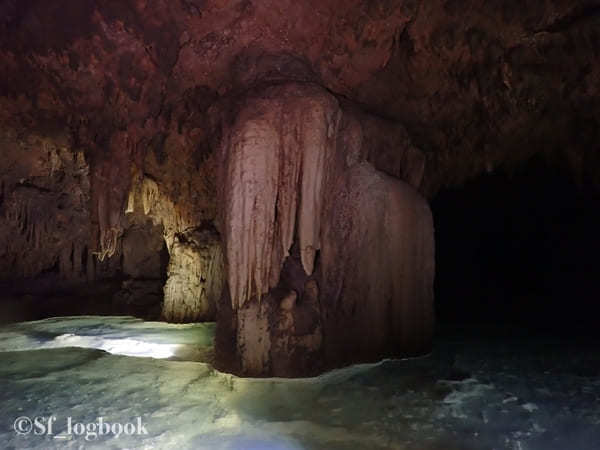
[282, 341]
[377, 268]
[146, 200]
[195, 277]
[289, 301]
[370, 292]
[275, 158]
[302, 137]
[254, 338]
[44, 210]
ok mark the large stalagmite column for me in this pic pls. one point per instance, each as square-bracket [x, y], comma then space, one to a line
[328, 261]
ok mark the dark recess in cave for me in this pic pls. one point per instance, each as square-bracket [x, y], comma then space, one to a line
[516, 253]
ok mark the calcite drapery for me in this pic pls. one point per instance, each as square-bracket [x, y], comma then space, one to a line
[275, 157]
[111, 177]
[295, 177]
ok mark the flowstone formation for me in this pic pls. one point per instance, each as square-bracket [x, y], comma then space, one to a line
[195, 277]
[193, 271]
[328, 260]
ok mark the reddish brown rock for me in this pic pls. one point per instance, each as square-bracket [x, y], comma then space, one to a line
[113, 113]
[476, 84]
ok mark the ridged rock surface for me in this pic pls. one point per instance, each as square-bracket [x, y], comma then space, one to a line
[296, 184]
[196, 277]
[275, 156]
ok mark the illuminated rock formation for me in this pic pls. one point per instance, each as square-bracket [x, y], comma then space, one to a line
[195, 273]
[195, 277]
[275, 158]
[295, 186]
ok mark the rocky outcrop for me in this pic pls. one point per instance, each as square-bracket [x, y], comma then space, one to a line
[296, 186]
[196, 277]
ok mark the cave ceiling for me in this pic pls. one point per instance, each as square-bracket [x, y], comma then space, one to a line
[477, 84]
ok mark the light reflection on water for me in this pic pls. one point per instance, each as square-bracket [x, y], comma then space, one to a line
[465, 395]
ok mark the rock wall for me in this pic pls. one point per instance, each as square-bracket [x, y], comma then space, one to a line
[113, 113]
[377, 268]
[328, 260]
[144, 260]
[134, 91]
[478, 84]
[84, 213]
[45, 211]
[168, 194]
[195, 277]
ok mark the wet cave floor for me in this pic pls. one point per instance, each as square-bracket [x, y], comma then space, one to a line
[153, 386]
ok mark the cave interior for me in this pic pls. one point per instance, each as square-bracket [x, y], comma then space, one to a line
[290, 206]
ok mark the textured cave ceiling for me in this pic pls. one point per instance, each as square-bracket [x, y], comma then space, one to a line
[477, 84]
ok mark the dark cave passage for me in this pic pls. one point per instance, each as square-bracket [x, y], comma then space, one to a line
[517, 253]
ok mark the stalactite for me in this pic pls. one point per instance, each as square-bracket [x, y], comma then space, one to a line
[35, 225]
[111, 182]
[44, 208]
[276, 155]
[320, 128]
[109, 234]
[174, 217]
[251, 207]
[130, 202]
[149, 194]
